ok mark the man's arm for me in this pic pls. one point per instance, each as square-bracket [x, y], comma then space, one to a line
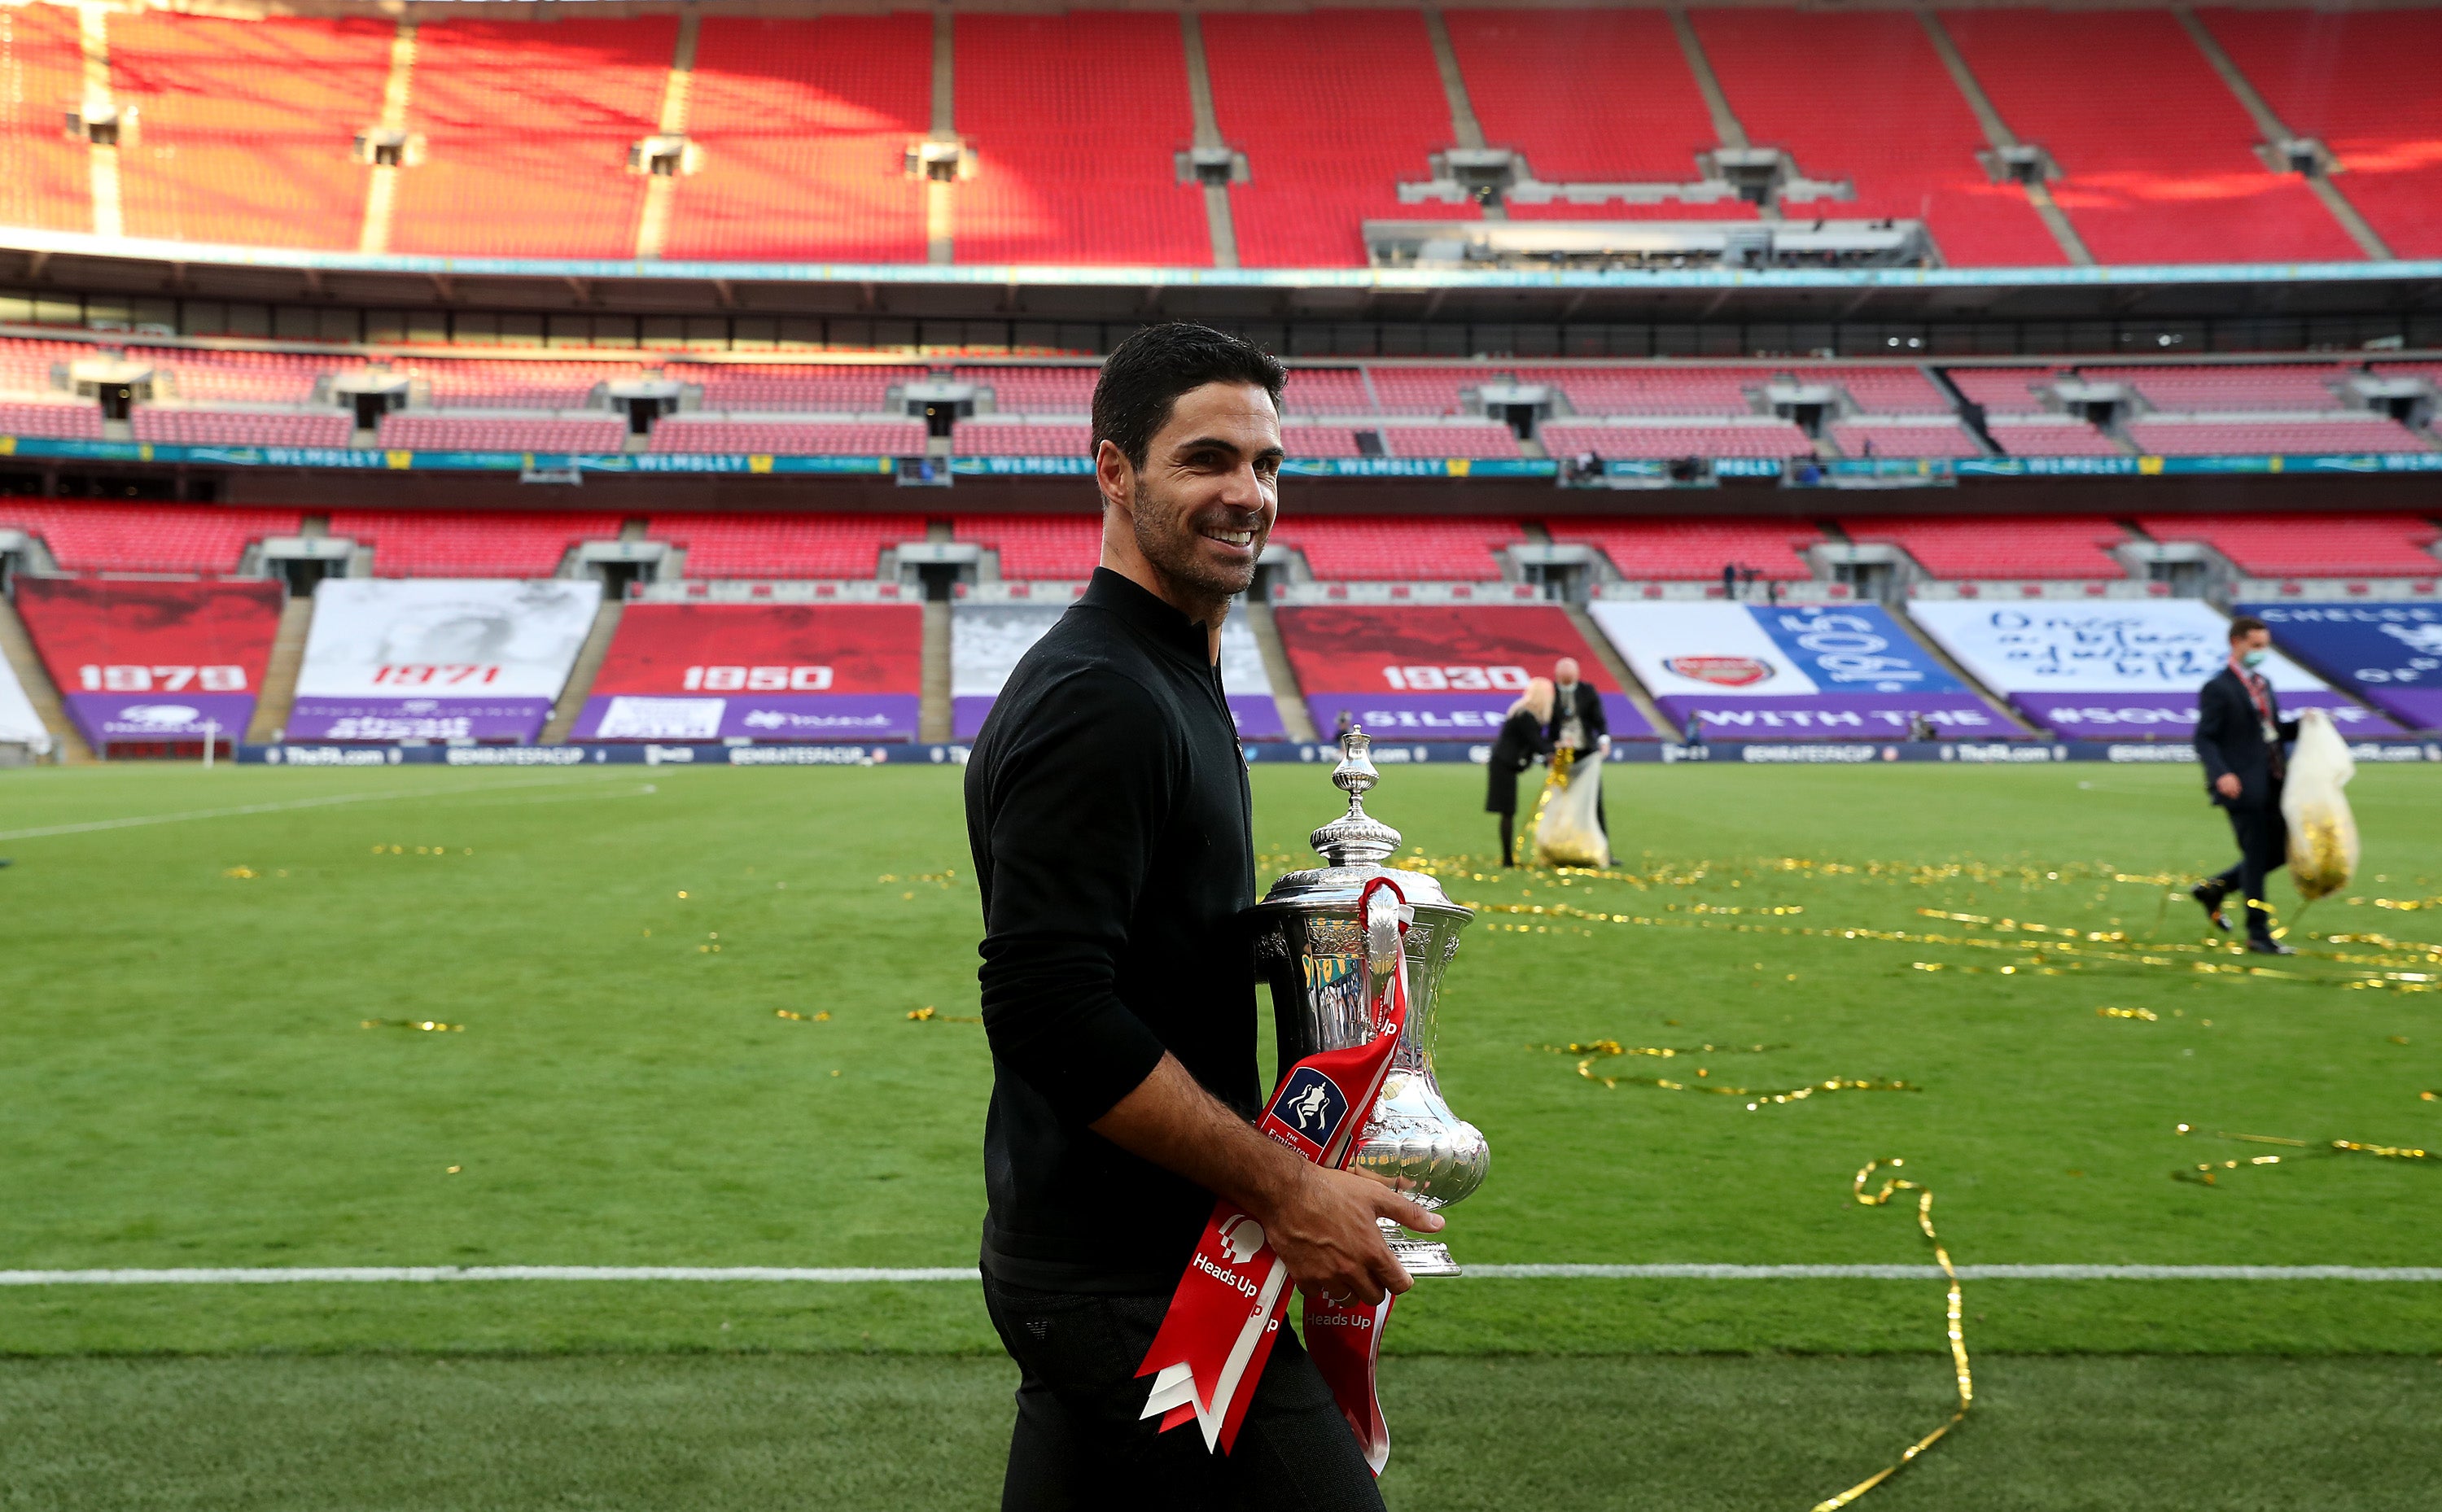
[1596, 717]
[1321, 1222]
[2213, 719]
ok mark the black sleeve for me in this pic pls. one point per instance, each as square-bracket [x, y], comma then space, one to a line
[2213, 727]
[1597, 718]
[1076, 803]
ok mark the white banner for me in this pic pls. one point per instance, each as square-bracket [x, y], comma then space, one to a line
[19, 724]
[444, 637]
[2116, 646]
[986, 640]
[1704, 649]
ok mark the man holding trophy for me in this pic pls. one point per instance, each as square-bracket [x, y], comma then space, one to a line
[1110, 818]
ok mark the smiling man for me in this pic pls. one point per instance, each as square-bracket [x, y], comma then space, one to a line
[1108, 811]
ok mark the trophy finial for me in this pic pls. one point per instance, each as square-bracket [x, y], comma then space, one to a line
[1356, 838]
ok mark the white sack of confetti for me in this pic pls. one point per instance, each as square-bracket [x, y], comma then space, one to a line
[1567, 831]
[2323, 832]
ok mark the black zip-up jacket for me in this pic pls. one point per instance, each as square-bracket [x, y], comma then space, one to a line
[1108, 811]
[2229, 737]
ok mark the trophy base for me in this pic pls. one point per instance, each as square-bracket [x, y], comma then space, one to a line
[1420, 1257]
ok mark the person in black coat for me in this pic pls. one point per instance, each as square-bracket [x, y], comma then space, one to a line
[2241, 738]
[1580, 721]
[1521, 739]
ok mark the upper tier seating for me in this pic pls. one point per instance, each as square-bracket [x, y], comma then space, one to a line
[1546, 83]
[2310, 545]
[1945, 438]
[1865, 97]
[1418, 549]
[1756, 438]
[2049, 435]
[469, 543]
[1000, 438]
[25, 366]
[202, 376]
[459, 383]
[48, 184]
[2167, 436]
[2261, 388]
[1038, 548]
[2361, 80]
[845, 390]
[1694, 549]
[780, 438]
[808, 545]
[2155, 152]
[1325, 391]
[2005, 390]
[2000, 548]
[527, 129]
[217, 427]
[805, 122]
[1319, 441]
[1654, 391]
[1424, 391]
[1089, 178]
[248, 125]
[1036, 390]
[145, 538]
[1334, 109]
[1456, 438]
[63, 422]
[1903, 390]
[431, 433]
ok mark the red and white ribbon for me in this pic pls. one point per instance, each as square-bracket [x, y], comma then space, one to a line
[1226, 1315]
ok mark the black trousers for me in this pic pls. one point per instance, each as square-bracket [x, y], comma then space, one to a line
[2262, 848]
[1080, 1444]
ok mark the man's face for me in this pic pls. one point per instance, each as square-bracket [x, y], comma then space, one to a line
[1564, 671]
[2252, 640]
[1204, 502]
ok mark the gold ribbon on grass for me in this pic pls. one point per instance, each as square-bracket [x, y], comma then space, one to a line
[1599, 1049]
[2203, 1171]
[1957, 1335]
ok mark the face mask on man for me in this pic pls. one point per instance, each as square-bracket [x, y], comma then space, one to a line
[2253, 659]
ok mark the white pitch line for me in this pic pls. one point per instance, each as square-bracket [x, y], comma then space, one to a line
[140, 820]
[426, 1274]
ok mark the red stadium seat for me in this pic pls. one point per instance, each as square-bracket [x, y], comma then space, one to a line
[1038, 548]
[2000, 548]
[115, 537]
[431, 433]
[454, 544]
[212, 428]
[785, 546]
[2310, 545]
[2161, 437]
[49, 182]
[1426, 549]
[1756, 438]
[860, 437]
[1664, 550]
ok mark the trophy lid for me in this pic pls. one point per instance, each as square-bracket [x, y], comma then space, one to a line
[1355, 845]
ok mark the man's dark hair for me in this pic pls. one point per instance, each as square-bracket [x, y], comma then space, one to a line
[1144, 376]
[2245, 625]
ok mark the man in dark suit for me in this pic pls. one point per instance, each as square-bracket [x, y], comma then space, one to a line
[2241, 738]
[1578, 722]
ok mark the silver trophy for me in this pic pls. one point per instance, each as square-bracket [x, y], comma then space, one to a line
[1310, 948]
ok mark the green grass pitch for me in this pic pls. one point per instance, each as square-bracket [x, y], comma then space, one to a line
[191, 1081]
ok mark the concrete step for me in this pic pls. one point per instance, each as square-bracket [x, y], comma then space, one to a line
[278, 696]
[1286, 692]
[582, 676]
[934, 720]
[66, 744]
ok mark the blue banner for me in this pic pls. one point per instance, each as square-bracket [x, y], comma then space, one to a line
[2388, 654]
[1853, 648]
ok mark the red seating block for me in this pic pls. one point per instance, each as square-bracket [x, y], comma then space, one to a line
[1547, 84]
[468, 543]
[784, 546]
[1073, 118]
[50, 181]
[1999, 547]
[429, 432]
[1036, 390]
[1761, 438]
[1945, 439]
[837, 390]
[248, 125]
[146, 537]
[1038, 548]
[1653, 390]
[1325, 391]
[1488, 439]
[209, 427]
[2004, 390]
[1418, 549]
[68, 422]
[2308, 545]
[2049, 435]
[1665, 550]
[2257, 387]
[527, 130]
[805, 124]
[860, 438]
[989, 438]
[2155, 150]
[2165, 438]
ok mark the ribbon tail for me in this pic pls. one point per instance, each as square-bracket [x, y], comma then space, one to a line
[1346, 1346]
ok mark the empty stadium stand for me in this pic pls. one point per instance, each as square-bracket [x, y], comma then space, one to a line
[1415, 550]
[1752, 438]
[2155, 152]
[238, 377]
[449, 543]
[783, 546]
[49, 180]
[2360, 81]
[1326, 392]
[431, 433]
[248, 125]
[847, 389]
[527, 130]
[1802, 81]
[1667, 550]
[804, 125]
[1063, 548]
[1451, 439]
[1319, 441]
[722, 435]
[2006, 390]
[1998, 548]
[1036, 390]
[1657, 390]
[480, 383]
[217, 427]
[2259, 388]
[1334, 109]
[1000, 438]
[1546, 83]
[72, 422]
[2310, 545]
[2219, 435]
[1879, 438]
[2049, 435]
[114, 538]
[1093, 180]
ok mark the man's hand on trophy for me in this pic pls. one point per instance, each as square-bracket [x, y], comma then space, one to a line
[1323, 1228]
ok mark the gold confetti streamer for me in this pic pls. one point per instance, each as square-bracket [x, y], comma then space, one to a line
[802, 1018]
[2145, 1013]
[1958, 1334]
[929, 1015]
[426, 1026]
[1661, 1051]
[2204, 1172]
[241, 873]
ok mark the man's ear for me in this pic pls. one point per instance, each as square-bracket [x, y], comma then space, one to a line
[1114, 475]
